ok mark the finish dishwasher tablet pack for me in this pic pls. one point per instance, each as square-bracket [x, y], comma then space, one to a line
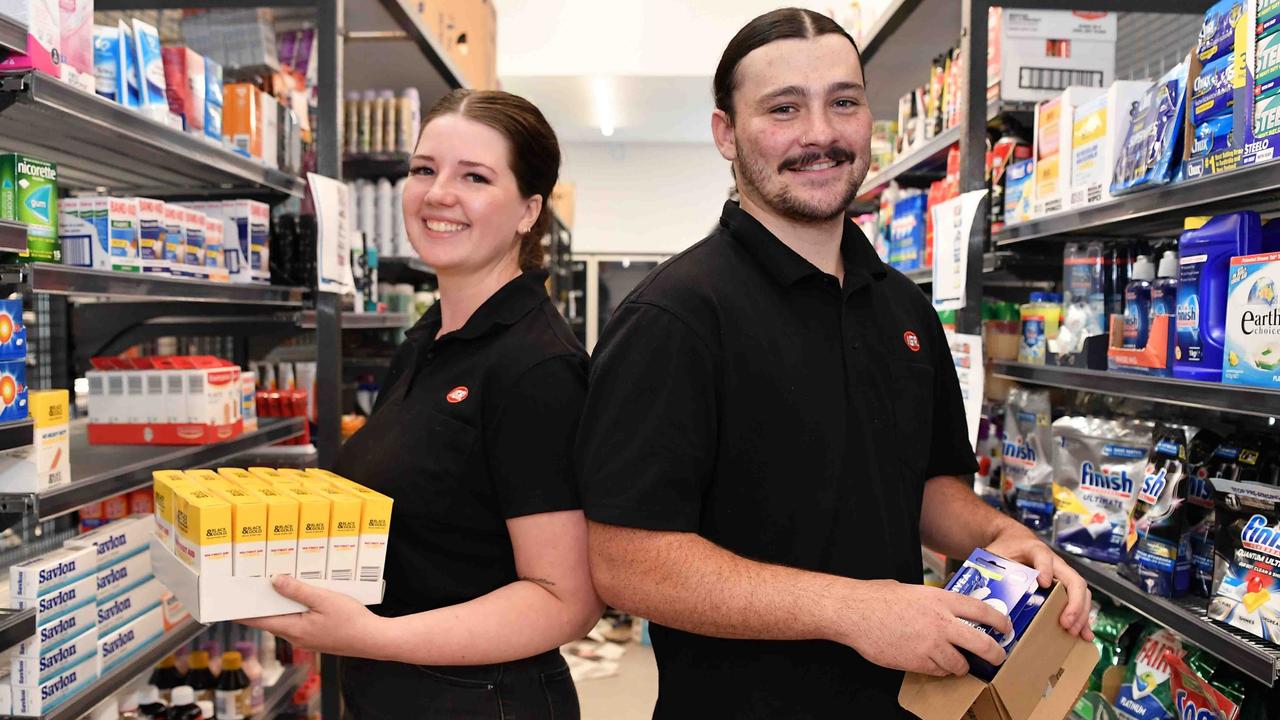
[221, 535]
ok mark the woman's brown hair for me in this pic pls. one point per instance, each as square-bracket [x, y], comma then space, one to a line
[535, 152]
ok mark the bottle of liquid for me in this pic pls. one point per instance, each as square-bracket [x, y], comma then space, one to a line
[199, 677]
[351, 123]
[271, 667]
[233, 697]
[127, 706]
[184, 704]
[1040, 318]
[410, 118]
[383, 236]
[366, 121]
[149, 705]
[377, 116]
[389, 124]
[1137, 304]
[1164, 303]
[249, 652]
[400, 245]
[166, 677]
[208, 710]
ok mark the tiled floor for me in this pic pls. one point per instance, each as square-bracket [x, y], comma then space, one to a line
[629, 695]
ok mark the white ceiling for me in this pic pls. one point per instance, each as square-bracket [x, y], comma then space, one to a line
[646, 109]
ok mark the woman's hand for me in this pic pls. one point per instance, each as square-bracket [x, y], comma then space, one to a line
[334, 624]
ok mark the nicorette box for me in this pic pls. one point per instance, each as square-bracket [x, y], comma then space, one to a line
[118, 540]
[114, 647]
[42, 699]
[126, 606]
[29, 671]
[202, 524]
[1098, 126]
[1252, 349]
[46, 463]
[49, 572]
[29, 195]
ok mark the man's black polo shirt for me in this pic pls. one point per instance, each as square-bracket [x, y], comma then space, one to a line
[469, 430]
[742, 394]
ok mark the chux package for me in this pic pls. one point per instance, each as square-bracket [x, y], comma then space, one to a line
[1007, 586]
[1252, 348]
[1096, 467]
[1027, 480]
[1246, 568]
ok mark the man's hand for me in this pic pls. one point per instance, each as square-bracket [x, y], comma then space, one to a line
[1019, 544]
[918, 629]
[334, 624]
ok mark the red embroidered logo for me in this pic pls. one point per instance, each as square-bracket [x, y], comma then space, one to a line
[911, 340]
[458, 394]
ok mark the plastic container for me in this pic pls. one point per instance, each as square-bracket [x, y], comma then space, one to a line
[257, 697]
[184, 704]
[1164, 300]
[351, 123]
[390, 111]
[233, 696]
[365, 126]
[166, 677]
[377, 119]
[1205, 250]
[199, 677]
[1137, 304]
[1084, 310]
[1039, 323]
[409, 119]
[149, 705]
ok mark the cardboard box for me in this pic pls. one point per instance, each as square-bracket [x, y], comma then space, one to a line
[114, 647]
[46, 462]
[231, 598]
[1098, 128]
[63, 601]
[58, 632]
[28, 671]
[313, 531]
[175, 239]
[123, 576]
[151, 236]
[1052, 151]
[47, 573]
[253, 233]
[184, 76]
[202, 531]
[42, 699]
[241, 119]
[192, 264]
[29, 194]
[125, 607]
[1045, 656]
[119, 540]
[375, 528]
[1035, 54]
[248, 523]
[344, 532]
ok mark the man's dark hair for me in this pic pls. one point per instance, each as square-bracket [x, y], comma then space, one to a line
[782, 24]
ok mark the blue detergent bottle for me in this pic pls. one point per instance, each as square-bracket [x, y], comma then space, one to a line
[1137, 304]
[1164, 301]
[1205, 250]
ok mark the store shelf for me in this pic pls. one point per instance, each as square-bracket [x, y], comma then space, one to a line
[13, 236]
[67, 280]
[362, 321]
[889, 21]
[1171, 391]
[110, 682]
[13, 36]
[15, 434]
[1159, 210]
[1185, 616]
[277, 696]
[374, 166]
[410, 21]
[16, 626]
[97, 143]
[102, 471]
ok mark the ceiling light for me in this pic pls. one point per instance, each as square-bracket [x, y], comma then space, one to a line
[602, 88]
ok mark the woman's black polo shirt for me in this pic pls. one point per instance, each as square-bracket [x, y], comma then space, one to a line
[469, 431]
[742, 394]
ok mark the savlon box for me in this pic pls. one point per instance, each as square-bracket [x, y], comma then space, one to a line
[49, 572]
[60, 631]
[121, 539]
[125, 607]
[63, 601]
[114, 647]
[31, 671]
[36, 700]
[123, 576]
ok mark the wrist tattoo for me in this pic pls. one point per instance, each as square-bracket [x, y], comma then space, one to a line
[540, 581]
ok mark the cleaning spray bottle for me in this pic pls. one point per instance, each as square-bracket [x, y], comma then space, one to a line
[1164, 302]
[1137, 304]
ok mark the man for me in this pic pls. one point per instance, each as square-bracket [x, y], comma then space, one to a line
[773, 426]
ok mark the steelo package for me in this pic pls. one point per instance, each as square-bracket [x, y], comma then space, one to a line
[1157, 546]
[1027, 458]
[1096, 469]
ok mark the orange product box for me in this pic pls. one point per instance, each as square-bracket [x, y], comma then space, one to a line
[241, 119]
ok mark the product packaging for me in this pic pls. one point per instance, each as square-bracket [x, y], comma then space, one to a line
[29, 195]
[66, 600]
[1054, 125]
[151, 88]
[1211, 94]
[175, 239]
[1084, 300]
[13, 390]
[128, 74]
[76, 29]
[1239, 458]
[123, 576]
[1193, 696]
[282, 530]
[1097, 465]
[1157, 545]
[1212, 136]
[45, 463]
[1252, 348]
[1147, 156]
[1217, 34]
[1028, 458]
[41, 576]
[42, 20]
[119, 540]
[252, 220]
[1246, 576]
[151, 236]
[116, 646]
[163, 483]
[202, 525]
[214, 264]
[1268, 17]
[1098, 128]
[248, 523]
[1007, 586]
[34, 671]
[193, 233]
[127, 606]
[106, 61]
[907, 231]
[313, 531]
[241, 121]
[345, 511]
[1146, 693]
[213, 101]
[1032, 53]
[57, 632]
[43, 698]
[184, 76]
[1266, 69]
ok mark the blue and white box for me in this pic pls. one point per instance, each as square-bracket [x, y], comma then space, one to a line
[1252, 349]
[124, 608]
[1003, 584]
[63, 601]
[56, 633]
[33, 671]
[51, 571]
[119, 540]
[124, 576]
[115, 647]
[36, 700]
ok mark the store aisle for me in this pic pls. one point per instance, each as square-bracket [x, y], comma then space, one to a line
[629, 695]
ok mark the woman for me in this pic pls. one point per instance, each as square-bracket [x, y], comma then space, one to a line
[486, 572]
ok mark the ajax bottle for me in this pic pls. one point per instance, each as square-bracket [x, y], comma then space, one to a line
[1137, 304]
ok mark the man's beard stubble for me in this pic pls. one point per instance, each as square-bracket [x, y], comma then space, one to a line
[754, 177]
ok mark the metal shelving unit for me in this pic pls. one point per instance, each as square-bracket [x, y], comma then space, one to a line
[101, 471]
[16, 434]
[16, 626]
[1171, 391]
[362, 321]
[98, 143]
[55, 279]
[277, 696]
[13, 36]
[1185, 616]
[13, 236]
[112, 680]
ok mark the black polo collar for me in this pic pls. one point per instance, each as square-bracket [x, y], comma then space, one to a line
[506, 307]
[861, 263]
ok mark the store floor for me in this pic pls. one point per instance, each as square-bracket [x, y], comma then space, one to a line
[629, 695]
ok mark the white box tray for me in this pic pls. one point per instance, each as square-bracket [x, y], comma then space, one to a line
[212, 600]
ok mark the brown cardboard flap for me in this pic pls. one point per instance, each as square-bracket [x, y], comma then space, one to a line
[940, 698]
[1036, 659]
[1075, 675]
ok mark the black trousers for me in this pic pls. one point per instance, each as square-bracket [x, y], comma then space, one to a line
[536, 688]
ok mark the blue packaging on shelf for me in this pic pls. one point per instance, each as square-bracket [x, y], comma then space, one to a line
[1246, 577]
[1268, 17]
[1252, 348]
[106, 61]
[1212, 136]
[1004, 585]
[1097, 465]
[1027, 458]
[1018, 179]
[1158, 545]
[13, 333]
[213, 100]
[1211, 94]
[906, 232]
[13, 390]
[1266, 64]
[1218, 32]
[1146, 157]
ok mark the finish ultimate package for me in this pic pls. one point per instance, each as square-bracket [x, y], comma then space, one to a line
[1246, 563]
[1096, 468]
[1157, 546]
[1027, 472]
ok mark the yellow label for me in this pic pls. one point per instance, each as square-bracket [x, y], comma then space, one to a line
[1047, 177]
[49, 407]
[282, 514]
[375, 509]
[313, 512]
[344, 511]
[200, 516]
[248, 511]
[1090, 128]
[163, 482]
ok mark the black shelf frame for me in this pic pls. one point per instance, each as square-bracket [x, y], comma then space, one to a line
[56, 279]
[16, 626]
[1187, 617]
[102, 471]
[13, 236]
[1219, 397]
[16, 434]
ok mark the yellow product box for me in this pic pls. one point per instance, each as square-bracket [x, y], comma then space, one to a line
[202, 530]
[282, 529]
[163, 483]
[275, 477]
[248, 524]
[45, 464]
[243, 478]
[344, 532]
[313, 531]
[375, 527]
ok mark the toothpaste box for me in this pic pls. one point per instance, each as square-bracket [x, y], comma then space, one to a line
[13, 390]
[46, 462]
[1252, 347]
[32, 671]
[193, 222]
[63, 601]
[151, 236]
[126, 607]
[163, 483]
[29, 195]
[248, 523]
[253, 234]
[60, 631]
[344, 532]
[49, 572]
[1268, 17]
[123, 576]
[1099, 125]
[116, 646]
[175, 239]
[42, 699]
[118, 540]
[313, 531]
[202, 522]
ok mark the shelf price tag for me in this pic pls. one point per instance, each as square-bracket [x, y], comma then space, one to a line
[333, 227]
[952, 224]
[966, 352]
